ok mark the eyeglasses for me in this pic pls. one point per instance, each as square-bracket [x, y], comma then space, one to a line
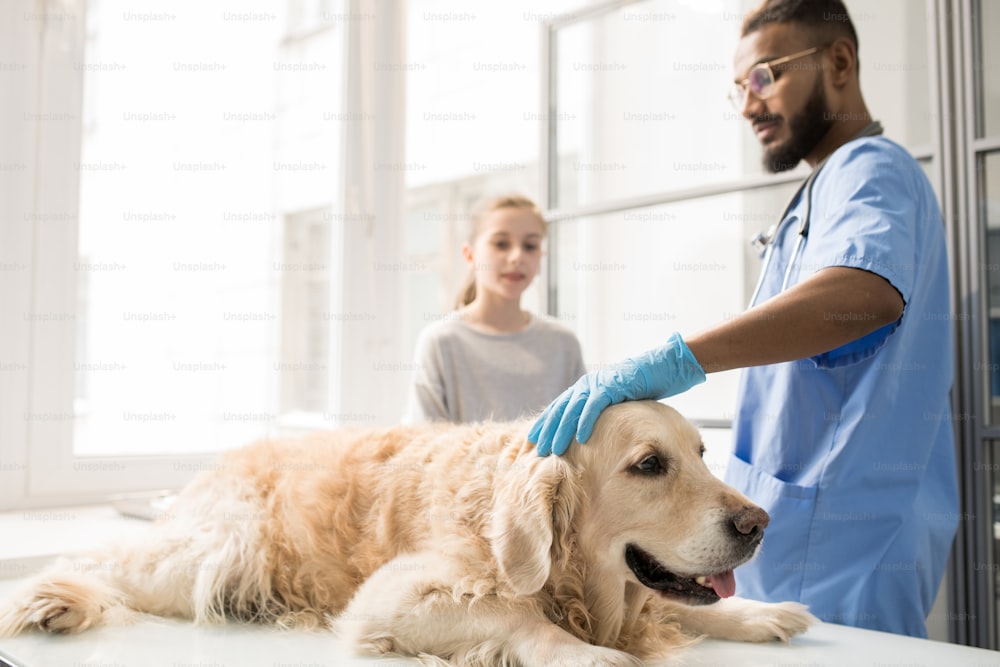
[762, 78]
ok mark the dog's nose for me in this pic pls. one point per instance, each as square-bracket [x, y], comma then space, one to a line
[751, 521]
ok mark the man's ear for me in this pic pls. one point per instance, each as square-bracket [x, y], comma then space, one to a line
[843, 58]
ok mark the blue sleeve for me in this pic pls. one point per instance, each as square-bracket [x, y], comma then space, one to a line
[865, 214]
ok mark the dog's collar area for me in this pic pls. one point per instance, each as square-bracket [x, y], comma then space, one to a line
[696, 590]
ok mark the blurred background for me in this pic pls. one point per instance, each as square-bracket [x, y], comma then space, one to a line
[223, 220]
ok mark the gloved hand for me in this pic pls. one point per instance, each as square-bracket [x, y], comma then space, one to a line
[658, 373]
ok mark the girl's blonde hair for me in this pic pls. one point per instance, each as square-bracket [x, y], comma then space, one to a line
[477, 214]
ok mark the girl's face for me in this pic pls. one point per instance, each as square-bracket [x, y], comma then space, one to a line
[506, 254]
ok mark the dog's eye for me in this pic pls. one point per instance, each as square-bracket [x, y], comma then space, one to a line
[650, 465]
[701, 451]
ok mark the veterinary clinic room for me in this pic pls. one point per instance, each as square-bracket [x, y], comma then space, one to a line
[345, 333]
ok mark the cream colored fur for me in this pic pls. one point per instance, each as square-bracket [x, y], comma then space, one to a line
[450, 542]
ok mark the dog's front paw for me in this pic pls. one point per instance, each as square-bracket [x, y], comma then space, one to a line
[743, 620]
[766, 621]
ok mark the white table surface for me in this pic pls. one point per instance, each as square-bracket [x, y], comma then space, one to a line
[155, 642]
[170, 643]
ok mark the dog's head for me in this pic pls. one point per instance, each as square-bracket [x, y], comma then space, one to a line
[644, 506]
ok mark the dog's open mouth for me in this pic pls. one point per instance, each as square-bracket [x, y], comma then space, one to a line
[705, 589]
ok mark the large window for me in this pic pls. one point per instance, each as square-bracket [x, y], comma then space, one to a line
[215, 245]
[178, 227]
[199, 225]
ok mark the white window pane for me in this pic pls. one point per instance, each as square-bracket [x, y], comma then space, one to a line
[642, 101]
[895, 61]
[986, 23]
[206, 132]
[473, 88]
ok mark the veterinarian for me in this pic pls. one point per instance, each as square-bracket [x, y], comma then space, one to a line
[490, 359]
[843, 431]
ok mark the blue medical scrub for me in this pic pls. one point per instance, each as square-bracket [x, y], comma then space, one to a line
[851, 452]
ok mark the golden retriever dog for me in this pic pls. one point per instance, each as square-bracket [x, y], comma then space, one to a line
[455, 543]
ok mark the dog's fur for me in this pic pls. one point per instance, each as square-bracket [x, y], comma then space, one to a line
[450, 542]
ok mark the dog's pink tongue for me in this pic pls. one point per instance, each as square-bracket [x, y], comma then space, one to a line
[724, 584]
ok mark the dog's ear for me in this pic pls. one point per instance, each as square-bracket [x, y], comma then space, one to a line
[534, 502]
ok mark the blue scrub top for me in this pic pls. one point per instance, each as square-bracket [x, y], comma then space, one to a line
[851, 452]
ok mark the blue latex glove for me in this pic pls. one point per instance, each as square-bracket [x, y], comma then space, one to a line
[658, 373]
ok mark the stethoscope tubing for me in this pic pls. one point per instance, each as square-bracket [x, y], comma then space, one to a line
[870, 130]
[799, 242]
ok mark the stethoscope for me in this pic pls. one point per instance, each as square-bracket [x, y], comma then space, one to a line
[766, 240]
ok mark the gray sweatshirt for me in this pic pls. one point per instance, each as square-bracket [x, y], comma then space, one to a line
[464, 375]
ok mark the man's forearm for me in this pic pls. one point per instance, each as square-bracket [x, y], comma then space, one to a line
[834, 307]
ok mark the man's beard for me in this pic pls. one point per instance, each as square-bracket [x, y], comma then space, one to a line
[806, 129]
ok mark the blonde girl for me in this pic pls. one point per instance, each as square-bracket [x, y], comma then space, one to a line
[493, 359]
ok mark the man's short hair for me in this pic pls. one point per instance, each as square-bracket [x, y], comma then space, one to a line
[827, 19]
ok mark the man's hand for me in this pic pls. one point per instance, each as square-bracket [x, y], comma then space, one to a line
[659, 373]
